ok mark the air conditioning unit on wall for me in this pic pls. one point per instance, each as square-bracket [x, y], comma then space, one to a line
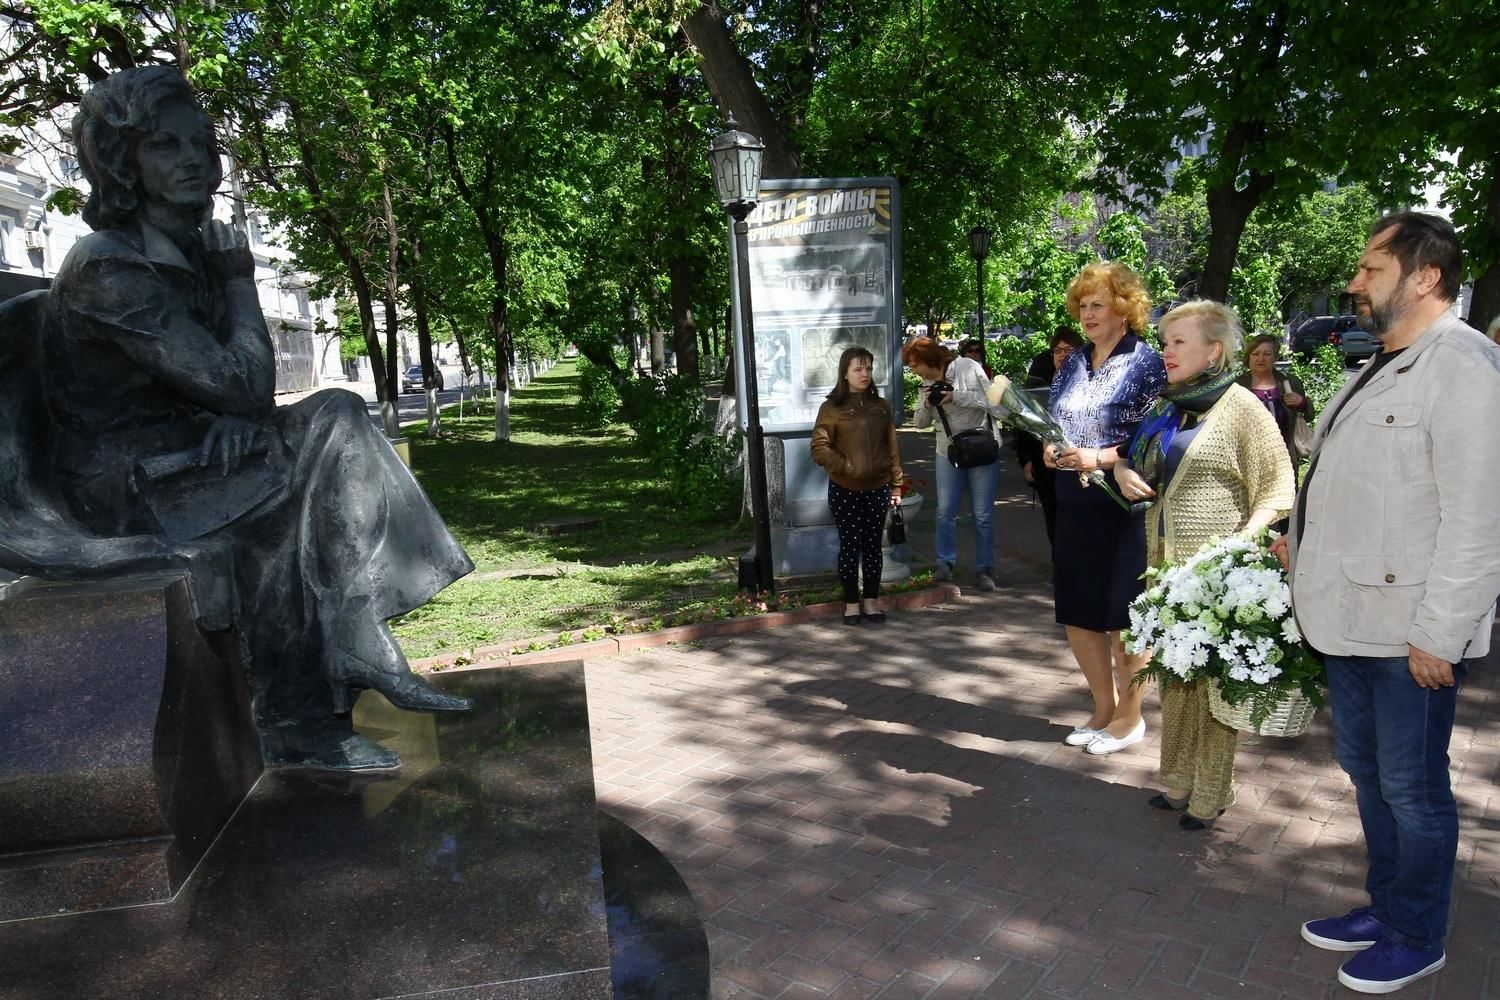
[35, 239]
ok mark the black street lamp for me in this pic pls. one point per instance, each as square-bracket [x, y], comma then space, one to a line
[735, 158]
[979, 249]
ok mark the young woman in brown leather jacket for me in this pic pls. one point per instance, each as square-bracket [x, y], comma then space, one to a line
[854, 440]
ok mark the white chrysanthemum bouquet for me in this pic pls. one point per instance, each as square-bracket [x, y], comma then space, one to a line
[1225, 614]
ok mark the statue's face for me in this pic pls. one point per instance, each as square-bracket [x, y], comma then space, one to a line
[177, 161]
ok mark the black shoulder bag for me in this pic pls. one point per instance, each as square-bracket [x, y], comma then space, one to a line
[972, 448]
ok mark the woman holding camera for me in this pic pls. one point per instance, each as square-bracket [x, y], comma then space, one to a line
[854, 440]
[955, 397]
[1099, 395]
[1213, 459]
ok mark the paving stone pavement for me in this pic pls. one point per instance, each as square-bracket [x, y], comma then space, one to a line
[890, 812]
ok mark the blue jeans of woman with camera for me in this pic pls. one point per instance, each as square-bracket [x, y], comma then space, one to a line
[981, 482]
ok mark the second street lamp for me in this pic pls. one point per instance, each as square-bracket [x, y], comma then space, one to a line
[979, 249]
[735, 158]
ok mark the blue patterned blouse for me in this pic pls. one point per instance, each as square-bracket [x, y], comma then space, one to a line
[1101, 408]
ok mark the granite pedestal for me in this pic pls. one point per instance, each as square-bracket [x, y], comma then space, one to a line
[475, 872]
[125, 744]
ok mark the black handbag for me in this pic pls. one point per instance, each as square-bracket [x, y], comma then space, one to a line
[896, 532]
[973, 448]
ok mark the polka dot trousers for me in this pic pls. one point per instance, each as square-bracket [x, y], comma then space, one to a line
[859, 516]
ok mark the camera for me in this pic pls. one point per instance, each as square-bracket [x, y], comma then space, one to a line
[935, 392]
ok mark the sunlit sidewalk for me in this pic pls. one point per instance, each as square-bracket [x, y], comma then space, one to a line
[890, 812]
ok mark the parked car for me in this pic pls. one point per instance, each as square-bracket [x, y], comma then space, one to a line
[1356, 343]
[412, 381]
[1320, 330]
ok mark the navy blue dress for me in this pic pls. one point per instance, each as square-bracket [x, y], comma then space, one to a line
[1099, 552]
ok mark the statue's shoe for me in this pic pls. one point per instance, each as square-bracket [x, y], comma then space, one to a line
[330, 749]
[403, 689]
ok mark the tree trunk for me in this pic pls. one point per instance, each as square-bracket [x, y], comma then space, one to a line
[630, 335]
[364, 301]
[492, 229]
[658, 350]
[463, 349]
[679, 134]
[684, 327]
[1484, 305]
[391, 292]
[731, 80]
[1229, 206]
[1229, 209]
[705, 349]
[424, 333]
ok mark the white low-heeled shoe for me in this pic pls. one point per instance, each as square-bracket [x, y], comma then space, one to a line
[1082, 736]
[1105, 743]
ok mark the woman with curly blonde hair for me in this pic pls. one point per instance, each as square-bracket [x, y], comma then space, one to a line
[1099, 396]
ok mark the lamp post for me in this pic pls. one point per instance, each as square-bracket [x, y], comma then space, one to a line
[979, 249]
[735, 158]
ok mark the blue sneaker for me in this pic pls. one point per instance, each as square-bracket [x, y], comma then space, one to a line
[1354, 931]
[1388, 966]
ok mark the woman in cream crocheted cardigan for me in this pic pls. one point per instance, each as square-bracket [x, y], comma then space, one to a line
[1212, 458]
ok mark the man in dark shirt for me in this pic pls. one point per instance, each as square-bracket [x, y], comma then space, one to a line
[1394, 553]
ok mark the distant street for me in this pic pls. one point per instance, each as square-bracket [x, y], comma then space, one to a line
[409, 405]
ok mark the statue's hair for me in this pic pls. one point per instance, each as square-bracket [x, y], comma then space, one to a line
[113, 117]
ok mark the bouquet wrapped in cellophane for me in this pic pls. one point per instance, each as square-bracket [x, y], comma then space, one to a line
[1028, 415]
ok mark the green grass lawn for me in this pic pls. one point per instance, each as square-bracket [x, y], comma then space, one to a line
[641, 560]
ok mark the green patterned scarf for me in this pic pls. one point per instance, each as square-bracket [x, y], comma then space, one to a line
[1148, 449]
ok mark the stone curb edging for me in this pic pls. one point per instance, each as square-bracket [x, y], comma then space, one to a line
[489, 657]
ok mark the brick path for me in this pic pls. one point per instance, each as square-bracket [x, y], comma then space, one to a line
[889, 812]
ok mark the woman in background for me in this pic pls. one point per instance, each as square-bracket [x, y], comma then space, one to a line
[1282, 395]
[973, 349]
[854, 440]
[1213, 459]
[1065, 340]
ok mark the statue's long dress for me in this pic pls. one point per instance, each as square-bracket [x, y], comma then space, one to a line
[312, 543]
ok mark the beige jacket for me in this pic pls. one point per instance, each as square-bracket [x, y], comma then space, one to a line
[1235, 465]
[1400, 526]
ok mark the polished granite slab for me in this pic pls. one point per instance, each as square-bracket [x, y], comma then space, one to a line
[657, 943]
[126, 743]
[474, 873]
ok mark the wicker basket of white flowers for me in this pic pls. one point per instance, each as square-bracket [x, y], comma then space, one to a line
[1225, 615]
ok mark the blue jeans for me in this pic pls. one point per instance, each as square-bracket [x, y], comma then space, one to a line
[1391, 736]
[981, 482]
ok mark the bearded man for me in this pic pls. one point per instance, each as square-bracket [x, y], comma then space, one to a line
[1394, 555]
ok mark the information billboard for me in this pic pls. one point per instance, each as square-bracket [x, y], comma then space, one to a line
[825, 275]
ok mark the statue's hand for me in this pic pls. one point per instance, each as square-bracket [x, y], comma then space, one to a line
[227, 250]
[228, 441]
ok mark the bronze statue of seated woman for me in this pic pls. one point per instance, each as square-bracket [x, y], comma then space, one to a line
[160, 442]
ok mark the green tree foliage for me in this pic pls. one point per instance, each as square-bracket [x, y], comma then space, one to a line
[1447, 81]
[1272, 89]
[933, 97]
[1253, 293]
[1309, 249]
[1321, 375]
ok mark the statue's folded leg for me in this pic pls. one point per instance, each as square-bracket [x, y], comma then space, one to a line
[370, 546]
